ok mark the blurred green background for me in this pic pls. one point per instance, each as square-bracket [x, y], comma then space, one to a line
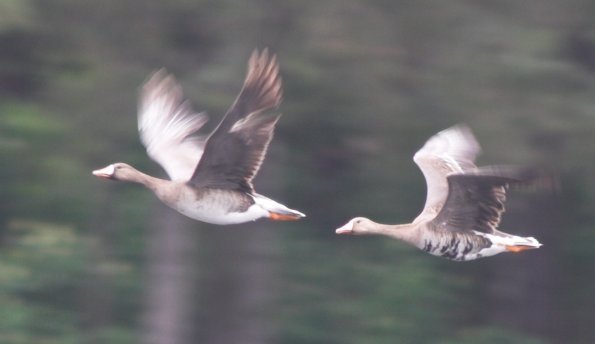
[84, 260]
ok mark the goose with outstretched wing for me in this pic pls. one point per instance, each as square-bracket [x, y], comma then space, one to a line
[464, 203]
[211, 177]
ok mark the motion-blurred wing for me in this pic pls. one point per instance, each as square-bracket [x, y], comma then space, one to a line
[165, 123]
[450, 151]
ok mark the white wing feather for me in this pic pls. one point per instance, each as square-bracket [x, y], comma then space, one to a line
[165, 123]
[452, 150]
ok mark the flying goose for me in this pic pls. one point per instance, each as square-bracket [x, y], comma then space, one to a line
[211, 177]
[464, 203]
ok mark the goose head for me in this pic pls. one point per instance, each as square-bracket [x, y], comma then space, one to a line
[118, 171]
[358, 226]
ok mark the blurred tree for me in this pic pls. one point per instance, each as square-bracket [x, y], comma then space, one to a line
[171, 281]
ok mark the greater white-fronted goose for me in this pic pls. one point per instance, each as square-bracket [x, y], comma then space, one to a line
[211, 177]
[464, 203]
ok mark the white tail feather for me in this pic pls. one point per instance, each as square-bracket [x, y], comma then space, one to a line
[275, 207]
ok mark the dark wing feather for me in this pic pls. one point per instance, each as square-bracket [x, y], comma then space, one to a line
[235, 150]
[450, 151]
[476, 199]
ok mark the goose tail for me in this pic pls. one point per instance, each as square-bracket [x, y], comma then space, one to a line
[518, 244]
[277, 211]
[513, 243]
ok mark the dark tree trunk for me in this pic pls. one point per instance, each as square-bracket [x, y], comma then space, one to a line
[171, 283]
[238, 286]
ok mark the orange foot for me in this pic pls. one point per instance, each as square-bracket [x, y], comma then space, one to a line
[519, 248]
[283, 217]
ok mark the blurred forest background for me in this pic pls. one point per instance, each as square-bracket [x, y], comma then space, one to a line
[84, 260]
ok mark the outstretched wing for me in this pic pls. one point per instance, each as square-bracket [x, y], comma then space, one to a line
[452, 150]
[166, 123]
[235, 150]
[476, 199]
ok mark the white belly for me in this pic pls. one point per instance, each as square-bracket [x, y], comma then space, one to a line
[219, 217]
[217, 207]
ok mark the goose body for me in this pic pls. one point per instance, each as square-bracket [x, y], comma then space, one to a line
[464, 203]
[211, 177]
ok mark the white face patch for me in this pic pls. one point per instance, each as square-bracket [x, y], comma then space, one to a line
[111, 169]
[106, 171]
[347, 228]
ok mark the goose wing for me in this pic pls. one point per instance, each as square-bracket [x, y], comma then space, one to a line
[476, 199]
[452, 150]
[235, 150]
[166, 124]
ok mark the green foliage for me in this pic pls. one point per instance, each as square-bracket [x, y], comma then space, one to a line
[491, 336]
[41, 272]
[369, 290]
